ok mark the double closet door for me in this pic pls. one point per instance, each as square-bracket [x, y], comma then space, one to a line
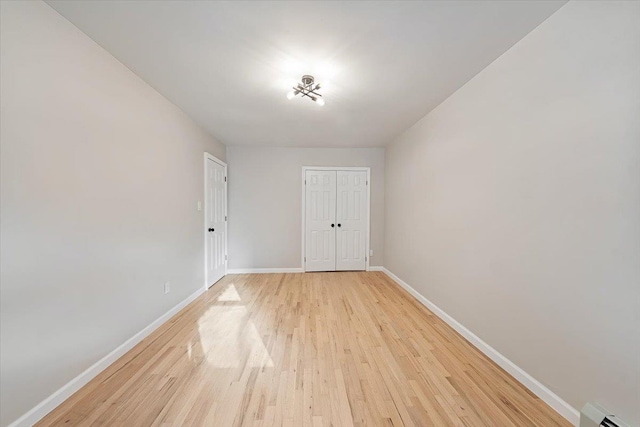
[336, 208]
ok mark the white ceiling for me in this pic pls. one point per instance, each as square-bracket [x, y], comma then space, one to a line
[229, 65]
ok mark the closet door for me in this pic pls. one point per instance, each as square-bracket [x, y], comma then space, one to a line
[320, 215]
[351, 220]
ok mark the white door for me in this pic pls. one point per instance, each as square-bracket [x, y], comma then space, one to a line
[320, 233]
[215, 222]
[351, 220]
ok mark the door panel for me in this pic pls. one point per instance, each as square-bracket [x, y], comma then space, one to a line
[351, 220]
[215, 211]
[320, 205]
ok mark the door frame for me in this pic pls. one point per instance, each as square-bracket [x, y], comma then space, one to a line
[211, 157]
[366, 169]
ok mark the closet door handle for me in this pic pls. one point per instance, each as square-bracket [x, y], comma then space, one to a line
[333, 225]
[339, 225]
[212, 229]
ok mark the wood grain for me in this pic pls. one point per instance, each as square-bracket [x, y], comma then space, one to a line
[315, 349]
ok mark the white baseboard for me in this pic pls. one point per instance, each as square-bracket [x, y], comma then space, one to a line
[537, 388]
[264, 270]
[281, 270]
[62, 394]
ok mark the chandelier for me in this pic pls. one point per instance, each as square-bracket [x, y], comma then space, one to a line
[306, 88]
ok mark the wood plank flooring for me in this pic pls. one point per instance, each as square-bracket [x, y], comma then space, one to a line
[315, 349]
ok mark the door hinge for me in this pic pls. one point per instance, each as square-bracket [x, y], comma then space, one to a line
[305, 182]
[225, 257]
[225, 217]
[305, 259]
[367, 182]
[365, 258]
[225, 179]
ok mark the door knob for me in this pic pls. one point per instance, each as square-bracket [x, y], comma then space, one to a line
[333, 225]
[212, 229]
[339, 225]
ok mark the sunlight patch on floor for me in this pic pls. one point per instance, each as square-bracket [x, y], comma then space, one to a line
[229, 294]
[228, 338]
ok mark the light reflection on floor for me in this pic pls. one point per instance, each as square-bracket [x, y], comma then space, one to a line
[229, 294]
[227, 334]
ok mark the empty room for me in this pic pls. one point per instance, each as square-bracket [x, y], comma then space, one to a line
[320, 213]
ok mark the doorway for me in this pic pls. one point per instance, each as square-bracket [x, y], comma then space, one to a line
[335, 218]
[215, 219]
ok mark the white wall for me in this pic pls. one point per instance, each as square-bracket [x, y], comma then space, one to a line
[100, 180]
[265, 201]
[515, 205]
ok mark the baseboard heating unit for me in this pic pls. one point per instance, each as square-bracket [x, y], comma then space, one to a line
[593, 415]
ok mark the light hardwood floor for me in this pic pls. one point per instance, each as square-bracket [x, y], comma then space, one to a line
[315, 349]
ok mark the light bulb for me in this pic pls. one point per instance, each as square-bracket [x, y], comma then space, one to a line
[290, 95]
[320, 102]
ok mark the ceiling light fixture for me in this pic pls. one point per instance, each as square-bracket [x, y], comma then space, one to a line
[306, 88]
